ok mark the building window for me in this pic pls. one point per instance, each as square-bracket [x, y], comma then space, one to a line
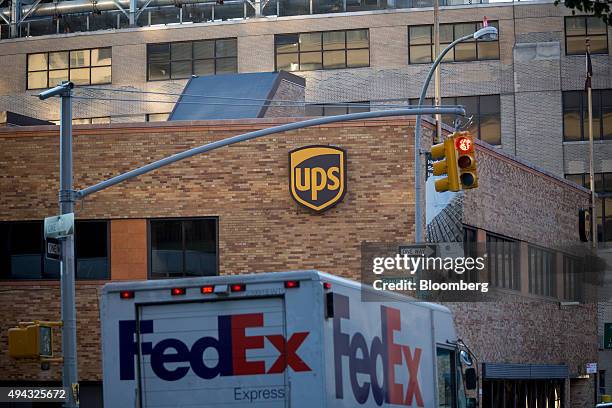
[579, 28]
[421, 43]
[485, 110]
[541, 272]
[22, 252]
[603, 187]
[83, 67]
[572, 278]
[157, 117]
[470, 250]
[502, 262]
[183, 247]
[576, 115]
[322, 50]
[182, 59]
[340, 108]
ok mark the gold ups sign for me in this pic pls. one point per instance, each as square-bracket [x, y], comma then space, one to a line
[318, 176]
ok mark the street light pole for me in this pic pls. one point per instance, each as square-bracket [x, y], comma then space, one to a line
[67, 198]
[485, 33]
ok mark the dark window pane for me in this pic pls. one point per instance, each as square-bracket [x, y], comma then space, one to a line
[334, 59]
[446, 34]
[359, 107]
[26, 250]
[204, 67]
[357, 58]
[181, 69]
[337, 109]
[357, 39]
[596, 25]
[575, 45]
[420, 54]
[158, 52]
[333, 40]
[310, 42]
[159, 71]
[463, 29]
[599, 44]
[465, 52]
[203, 49]
[490, 119]
[180, 51]
[287, 62]
[227, 66]
[575, 26]
[488, 50]
[200, 247]
[91, 245]
[101, 56]
[287, 43]
[420, 35]
[226, 48]
[310, 61]
[166, 248]
[571, 126]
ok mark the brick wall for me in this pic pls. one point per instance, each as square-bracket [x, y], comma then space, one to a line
[262, 229]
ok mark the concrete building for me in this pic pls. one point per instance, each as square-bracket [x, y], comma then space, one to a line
[239, 217]
[523, 90]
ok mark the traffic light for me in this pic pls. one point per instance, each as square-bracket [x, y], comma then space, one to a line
[32, 340]
[446, 164]
[466, 160]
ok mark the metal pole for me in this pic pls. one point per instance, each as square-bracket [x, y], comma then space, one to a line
[67, 198]
[259, 133]
[66, 203]
[418, 210]
[438, 81]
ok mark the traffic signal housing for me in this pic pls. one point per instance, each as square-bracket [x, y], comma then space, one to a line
[446, 157]
[32, 340]
[466, 160]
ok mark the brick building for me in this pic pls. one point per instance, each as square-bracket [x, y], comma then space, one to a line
[524, 90]
[233, 207]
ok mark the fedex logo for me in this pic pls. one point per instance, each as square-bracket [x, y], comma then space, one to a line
[231, 346]
[362, 360]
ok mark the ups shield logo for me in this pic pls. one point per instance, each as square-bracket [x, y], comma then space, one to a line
[317, 176]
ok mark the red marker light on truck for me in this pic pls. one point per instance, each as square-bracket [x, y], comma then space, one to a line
[326, 285]
[126, 294]
[177, 291]
[292, 284]
[207, 289]
[238, 287]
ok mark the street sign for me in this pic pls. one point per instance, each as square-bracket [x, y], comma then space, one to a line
[53, 249]
[59, 226]
[430, 162]
[591, 368]
[607, 336]
[418, 250]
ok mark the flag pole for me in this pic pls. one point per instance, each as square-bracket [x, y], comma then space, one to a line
[588, 86]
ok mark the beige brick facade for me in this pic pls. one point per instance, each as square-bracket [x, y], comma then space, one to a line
[262, 229]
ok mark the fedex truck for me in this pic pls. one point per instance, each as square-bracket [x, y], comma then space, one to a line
[281, 339]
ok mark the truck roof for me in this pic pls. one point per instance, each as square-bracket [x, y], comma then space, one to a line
[264, 277]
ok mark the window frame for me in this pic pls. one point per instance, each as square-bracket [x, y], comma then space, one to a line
[150, 274]
[552, 293]
[69, 68]
[444, 60]
[605, 201]
[191, 60]
[321, 50]
[586, 35]
[582, 108]
[46, 277]
[477, 121]
[347, 106]
[514, 274]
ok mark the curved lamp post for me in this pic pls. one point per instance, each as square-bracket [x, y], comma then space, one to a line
[488, 33]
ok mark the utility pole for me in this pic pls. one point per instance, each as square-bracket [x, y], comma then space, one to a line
[67, 197]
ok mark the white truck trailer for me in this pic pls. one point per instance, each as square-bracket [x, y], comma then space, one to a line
[281, 339]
